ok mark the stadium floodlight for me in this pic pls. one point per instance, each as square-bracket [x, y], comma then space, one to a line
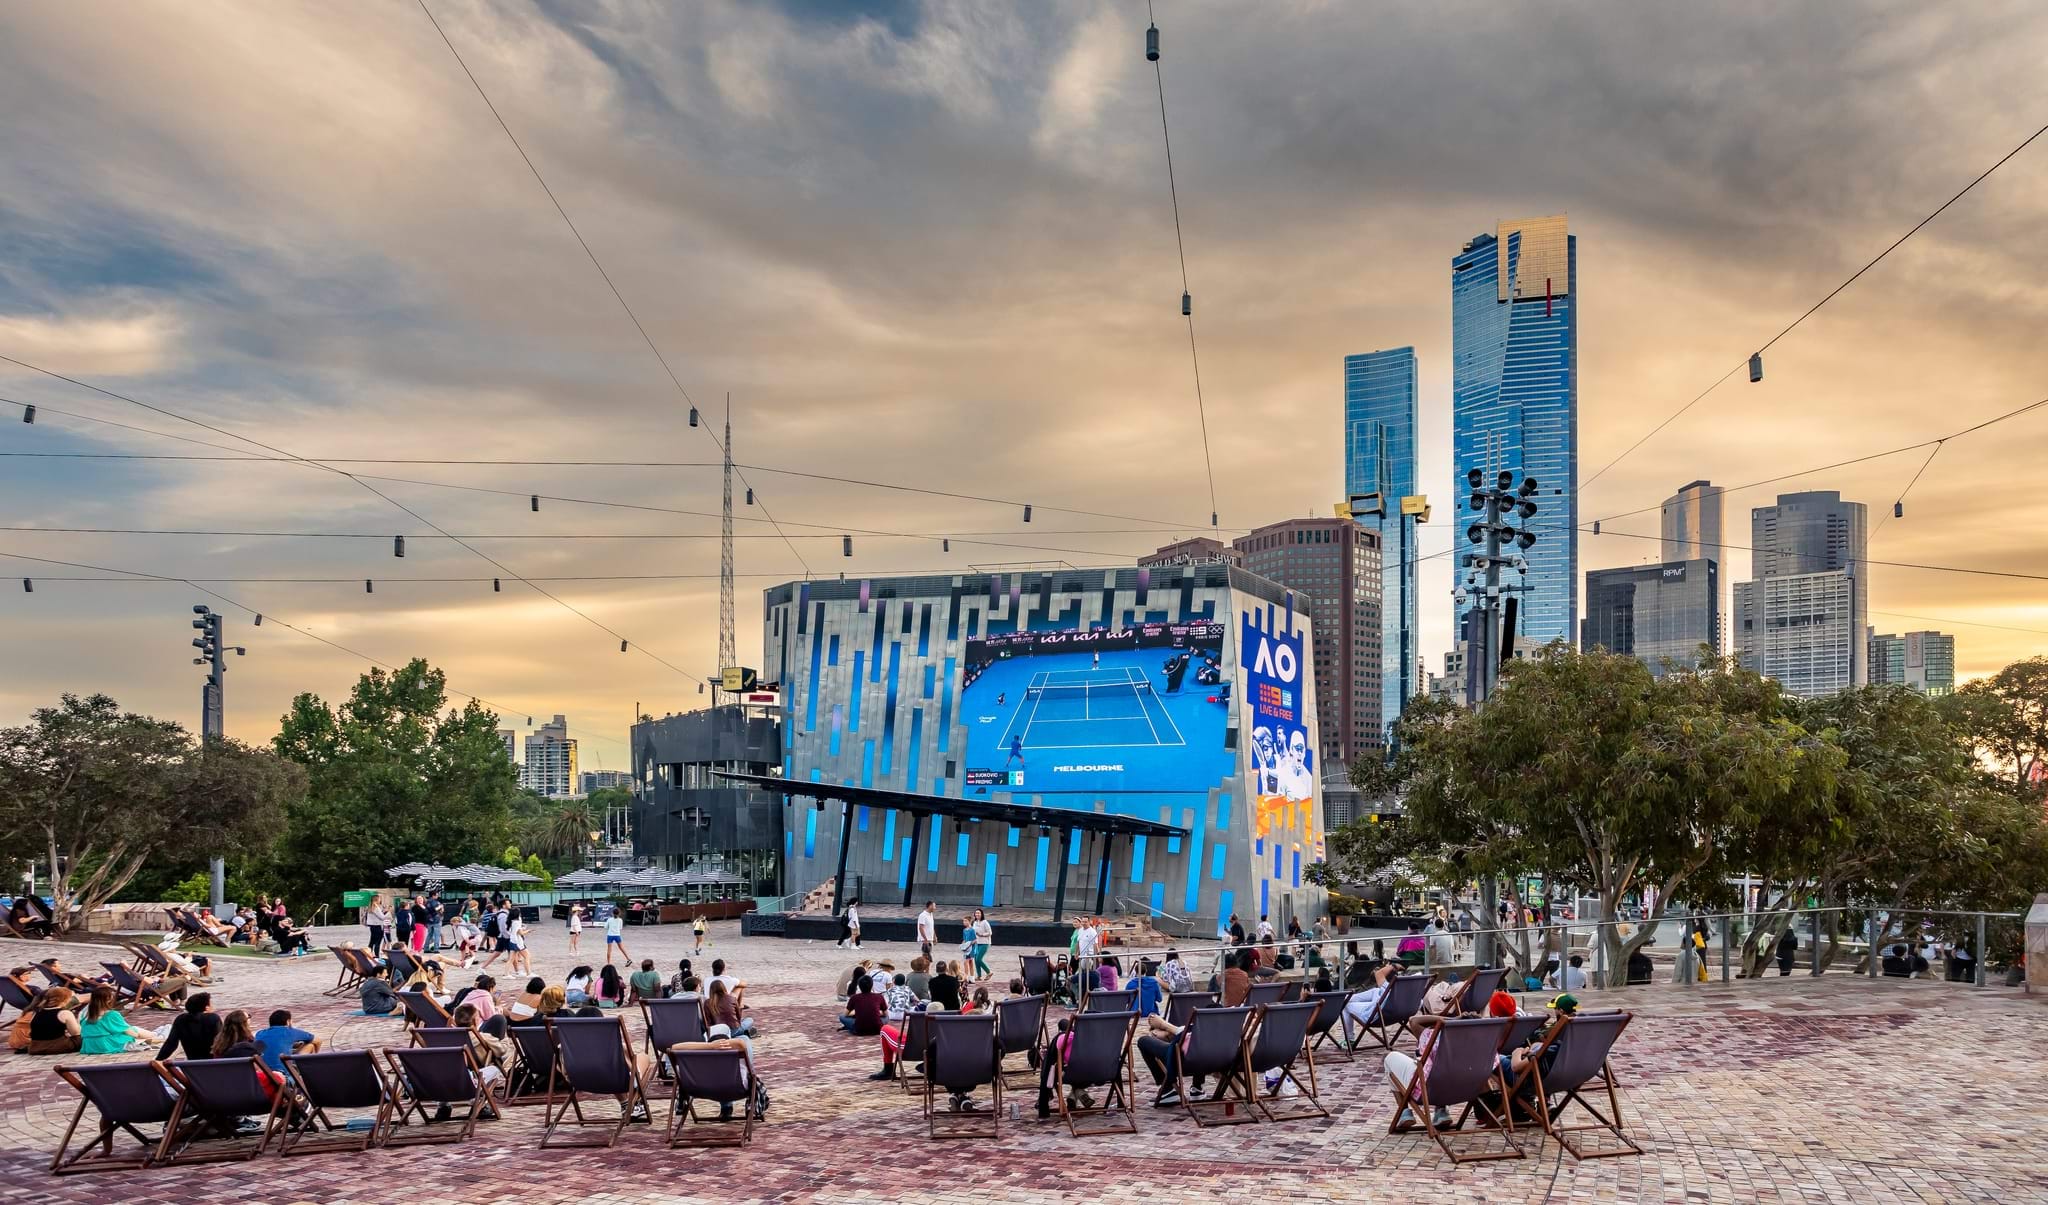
[1476, 532]
[1529, 486]
[1526, 509]
[1474, 478]
[1504, 479]
[1526, 539]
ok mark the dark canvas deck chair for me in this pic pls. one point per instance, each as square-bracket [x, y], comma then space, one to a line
[1111, 1002]
[1583, 1044]
[1478, 988]
[58, 977]
[1521, 1029]
[212, 1094]
[593, 1059]
[133, 989]
[138, 961]
[449, 1037]
[916, 1028]
[13, 993]
[1296, 991]
[127, 1096]
[190, 928]
[157, 964]
[1401, 1001]
[1280, 1044]
[1326, 1030]
[533, 1066]
[338, 1079]
[351, 976]
[1020, 1029]
[1269, 992]
[439, 1076]
[1182, 1005]
[1037, 972]
[1455, 1063]
[964, 1058]
[423, 1011]
[1214, 1046]
[669, 1022]
[1098, 1057]
[714, 1077]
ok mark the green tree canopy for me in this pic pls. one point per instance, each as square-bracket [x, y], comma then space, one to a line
[393, 779]
[96, 793]
[2003, 720]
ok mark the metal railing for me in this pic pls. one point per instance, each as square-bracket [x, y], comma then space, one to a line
[1181, 927]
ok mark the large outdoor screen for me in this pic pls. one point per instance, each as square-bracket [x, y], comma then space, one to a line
[1111, 709]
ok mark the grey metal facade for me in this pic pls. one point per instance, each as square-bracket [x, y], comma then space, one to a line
[683, 813]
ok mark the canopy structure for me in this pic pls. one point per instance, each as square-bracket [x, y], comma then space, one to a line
[1065, 821]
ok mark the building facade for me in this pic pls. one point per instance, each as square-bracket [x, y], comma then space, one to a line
[1804, 619]
[1181, 696]
[688, 818]
[550, 767]
[599, 780]
[1514, 397]
[1810, 532]
[1334, 565]
[511, 740]
[1379, 457]
[1658, 614]
[1692, 523]
[1925, 661]
[1195, 551]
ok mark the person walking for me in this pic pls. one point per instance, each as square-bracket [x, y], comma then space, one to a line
[378, 917]
[575, 927]
[697, 928]
[849, 924]
[615, 936]
[436, 913]
[927, 929]
[984, 937]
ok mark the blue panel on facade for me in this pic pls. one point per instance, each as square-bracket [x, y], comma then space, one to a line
[946, 705]
[832, 656]
[838, 722]
[938, 786]
[1038, 875]
[816, 687]
[903, 865]
[924, 631]
[916, 748]
[1258, 847]
[789, 843]
[1194, 864]
[1073, 848]
[931, 861]
[931, 680]
[1265, 896]
[1014, 832]
[853, 705]
[889, 834]
[1223, 809]
[1216, 852]
[867, 763]
[810, 832]
[1138, 859]
[988, 882]
[889, 705]
[1276, 859]
[1297, 868]
[961, 858]
[860, 818]
[1158, 897]
[1225, 901]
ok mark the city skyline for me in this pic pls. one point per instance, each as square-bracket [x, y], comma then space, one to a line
[303, 226]
[1380, 429]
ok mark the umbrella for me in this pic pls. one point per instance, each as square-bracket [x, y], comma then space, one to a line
[514, 876]
[582, 878]
[407, 871]
[475, 873]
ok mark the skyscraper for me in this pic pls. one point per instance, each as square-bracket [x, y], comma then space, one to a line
[1379, 457]
[1803, 620]
[1654, 613]
[1335, 564]
[1692, 523]
[1925, 661]
[550, 767]
[1514, 396]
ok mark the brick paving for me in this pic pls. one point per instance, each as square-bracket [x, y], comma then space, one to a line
[1841, 1089]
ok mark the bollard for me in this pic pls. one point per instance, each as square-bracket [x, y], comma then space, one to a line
[1977, 963]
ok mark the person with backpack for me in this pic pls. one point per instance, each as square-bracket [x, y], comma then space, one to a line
[498, 930]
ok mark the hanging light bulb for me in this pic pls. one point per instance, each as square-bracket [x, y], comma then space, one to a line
[497, 587]
[398, 546]
[259, 619]
[945, 545]
[693, 416]
[28, 414]
[1187, 304]
[1899, 509]
[1212, 518]
[1027, 512]
[622, 646]
[367, 587]
[28, 585]
[1596, 527]
[536, 503]
[750, 495]
[1756, 367]
[845, 545]
[1152, 44]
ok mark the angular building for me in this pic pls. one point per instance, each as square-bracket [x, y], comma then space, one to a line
[1925, 661]
[1514, 396]
[1803, 621]
[1334, 564]
[1692, 523]
[550, 768]
[1051, 739]
[1379, 457]
[1658, 614]
[687, 818]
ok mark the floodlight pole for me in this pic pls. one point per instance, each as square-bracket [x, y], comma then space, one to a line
[212, 718]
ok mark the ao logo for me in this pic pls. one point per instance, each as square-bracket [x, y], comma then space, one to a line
[1275, 660]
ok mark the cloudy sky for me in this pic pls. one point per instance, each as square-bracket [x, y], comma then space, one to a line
[930, 242]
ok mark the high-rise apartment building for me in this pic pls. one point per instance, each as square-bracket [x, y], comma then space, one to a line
[511, 740]
[1657, 614]
[1334, 566]
[599, 780]
[1925, 661]
[1514, 396]
[550, 767]
[1803, 621]
[1379, 457]
[1692, 523]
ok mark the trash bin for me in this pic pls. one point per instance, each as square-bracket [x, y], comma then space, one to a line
[2037, 942]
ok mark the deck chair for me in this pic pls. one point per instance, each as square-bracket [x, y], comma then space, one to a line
[127, 1095]
[404, 965]
[213, 1091]
[158, 964]
[1214, 1045]
[339, 1079]
[1020, 1029]
[1456, 1061]
[1098, 1056]
[15, 994]
[1037, 971]
[533, 1066]
[194, 931]
[351, 976]
[137, 990]
[1278, 1044]
[593, 1058]
[720, 1077]
[1522, 1029]
[1182, 1005]
[1111, 1002]
[422, 1010]
[451, 1037]
[1326, 1022]
[1479, 988]
[1295, 993]
[917, 1048]
[668, 1022]
[58, 977]
[440, 1076]
[1401, 1000]
[1583, 1044]
[138, 961]
[964, 1057]
[1269, 992]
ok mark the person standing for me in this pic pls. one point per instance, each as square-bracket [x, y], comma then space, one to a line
[575, 926]
[436, 913]
[852, 922]
[378, 917]
[984, 937]
[420, 917]
[615, 936]
[927, 929]
[401, 922]
[1788, 950]
[697, 927]
[522, 961]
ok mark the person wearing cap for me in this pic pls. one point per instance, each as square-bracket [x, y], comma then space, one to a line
[1516, 1062]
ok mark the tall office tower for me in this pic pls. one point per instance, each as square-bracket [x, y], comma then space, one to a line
[1335, 564]
[1515, 397]
[511, 740]
[1925, 661]
[1692, 523]
[550, 767]
[1657, 614]
[1804, 619]
[1379, 457]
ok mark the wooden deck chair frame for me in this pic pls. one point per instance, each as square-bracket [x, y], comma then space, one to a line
[104, 1139]
[686, 1129]
[351, 976]
[1232, 1102]
[648, 1008]
[1378, 1028]
[135, 989]
[1264, 1101]
[520, 1069]
[394, 1119]
[1334, 1003]
[572, 1099]
[178, 1139]
[1609, 1122]
[1122, 1090]
[411, 1003]
[1416, 1100]
[908, 1077]
[320, 1134]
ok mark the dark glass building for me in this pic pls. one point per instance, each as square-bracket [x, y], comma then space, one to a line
[1654, 613]
[687, 818]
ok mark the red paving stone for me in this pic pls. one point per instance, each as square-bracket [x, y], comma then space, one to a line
[1779, 1090]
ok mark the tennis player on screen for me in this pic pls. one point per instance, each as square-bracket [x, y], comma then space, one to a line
[1016, 753]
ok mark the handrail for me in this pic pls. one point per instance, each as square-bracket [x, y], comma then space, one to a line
[1149, 909]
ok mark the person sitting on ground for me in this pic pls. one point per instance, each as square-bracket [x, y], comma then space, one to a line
[1572, 978]
[577, 986]
[864, 1010]
[945, 987]
[280, 1038]
[376, 997]
[689, 992]
[611, 988]
[193, 1030]
[290, 941]
[1173, 974]
[845, 986]
[646, 982]
[897, 998]
[1898, 962]
[1323, 981]
[53, 1026]
[919, 980]
[104, 1030]
[979, 1003]
[553, 1003]
[683, 974]
[526, 1005]
[587, 1011]
[738, 986]
[237, 1041]
[1236, 980]
[1639, 968]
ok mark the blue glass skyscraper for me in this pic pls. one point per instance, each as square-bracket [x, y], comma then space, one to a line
[1379, 457]
[1515, 397]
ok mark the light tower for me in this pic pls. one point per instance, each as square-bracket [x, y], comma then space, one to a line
[727, 652]
[212, 708]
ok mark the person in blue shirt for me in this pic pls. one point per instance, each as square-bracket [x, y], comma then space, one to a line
[1150, 993]
[281, 1039]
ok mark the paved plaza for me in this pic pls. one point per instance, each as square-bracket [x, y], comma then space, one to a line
[1841, 1089]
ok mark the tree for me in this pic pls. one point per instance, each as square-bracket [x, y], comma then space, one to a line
[2003, 720]
[394, 779]
[565, 830]
[98, 793]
